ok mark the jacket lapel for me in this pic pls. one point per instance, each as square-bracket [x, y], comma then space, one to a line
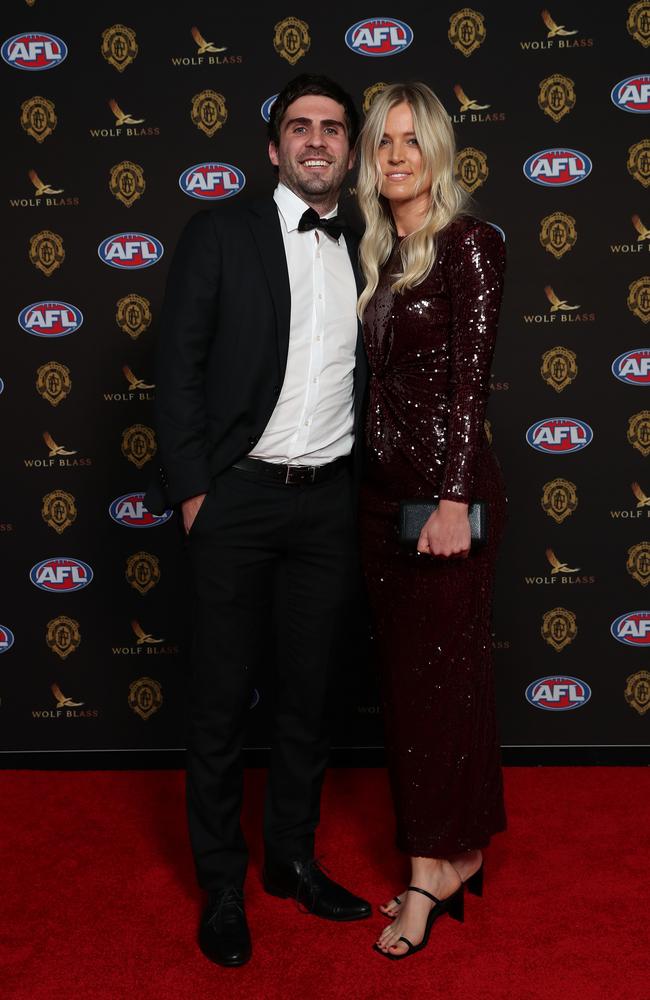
[265, 226]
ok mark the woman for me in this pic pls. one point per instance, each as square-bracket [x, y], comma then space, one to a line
[429, 310]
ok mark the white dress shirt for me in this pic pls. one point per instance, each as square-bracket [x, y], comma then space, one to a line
[312, 422]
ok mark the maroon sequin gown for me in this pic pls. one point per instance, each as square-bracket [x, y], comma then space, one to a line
[430, 350]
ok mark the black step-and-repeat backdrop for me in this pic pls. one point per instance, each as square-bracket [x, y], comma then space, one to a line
[120, 124]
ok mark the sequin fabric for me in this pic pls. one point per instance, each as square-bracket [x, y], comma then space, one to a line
[430, 351]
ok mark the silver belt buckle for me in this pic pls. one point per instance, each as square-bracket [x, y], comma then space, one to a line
[299, 474]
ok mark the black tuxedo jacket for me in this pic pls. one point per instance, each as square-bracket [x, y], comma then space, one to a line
[222, 350]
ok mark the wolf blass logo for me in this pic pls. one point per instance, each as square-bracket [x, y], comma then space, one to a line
[642, 240]
[642, 508]
[560, 310]
[66, 708]
[561, 573]
[44, 196]
[126, 124]
[59, 457]
[473, 111]
[138, 389]
[558, 36]
[146, 644]
[207, 53]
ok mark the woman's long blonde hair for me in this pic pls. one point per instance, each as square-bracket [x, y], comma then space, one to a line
[435, 137]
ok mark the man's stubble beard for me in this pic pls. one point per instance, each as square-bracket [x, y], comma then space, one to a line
[318, 189]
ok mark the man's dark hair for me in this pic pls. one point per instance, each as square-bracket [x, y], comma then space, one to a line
[307, 84]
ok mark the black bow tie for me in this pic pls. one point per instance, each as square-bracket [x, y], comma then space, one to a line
[311, 220]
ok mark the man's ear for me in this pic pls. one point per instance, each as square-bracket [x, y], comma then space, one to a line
[273, 154]
[352, 157]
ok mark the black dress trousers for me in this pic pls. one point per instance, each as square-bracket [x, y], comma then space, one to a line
[248, 535]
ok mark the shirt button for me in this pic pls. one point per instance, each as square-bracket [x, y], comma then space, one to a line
[252, 440]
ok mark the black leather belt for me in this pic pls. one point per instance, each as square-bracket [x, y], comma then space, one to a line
[291, 475]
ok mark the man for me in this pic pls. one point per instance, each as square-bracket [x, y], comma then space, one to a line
[260, 376]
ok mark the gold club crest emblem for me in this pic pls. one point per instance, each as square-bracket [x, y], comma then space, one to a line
[470, 168]
[638, 160]
[556, 96]
[559, 367]
[133, 315]
[127, 182]
[119, 47]
[63, 636]
[291, 39]
[638, 299]
[559, 628]
[139, 444]
[59, 510]
[558, 233]
[53, 382]
[638, 432]
[637, 691]
[638, 562]
[46, 251]
[638, 22]
[142, 571]
[466, 30]
[209, 111]
[370, 93]
[145, 697]
[38, 118]
[559, 499]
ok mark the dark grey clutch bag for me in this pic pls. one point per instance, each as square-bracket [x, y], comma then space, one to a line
[413, 515]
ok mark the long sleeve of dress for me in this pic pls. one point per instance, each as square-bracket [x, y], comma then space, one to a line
[475, 270]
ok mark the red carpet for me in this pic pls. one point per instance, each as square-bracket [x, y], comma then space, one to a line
[98, 898]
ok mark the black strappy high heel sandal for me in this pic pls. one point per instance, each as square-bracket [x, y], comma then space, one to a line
[474, 884]
[454, 905]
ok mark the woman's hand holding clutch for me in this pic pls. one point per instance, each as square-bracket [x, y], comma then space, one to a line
[447, 531]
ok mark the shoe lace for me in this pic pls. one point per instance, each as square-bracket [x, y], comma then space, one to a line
[232, 896]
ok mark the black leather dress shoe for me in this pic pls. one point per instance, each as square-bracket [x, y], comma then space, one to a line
[224, 937]
[306, 882]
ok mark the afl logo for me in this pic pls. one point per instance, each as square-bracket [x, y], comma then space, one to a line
[50, 319]
[34, 50]
[557, 167]
[633, 94]
[129, 510]
[61, 575]
[265, 110]
[6, 638]
[633, 629]
[378, 36]
[558, 694]
[212, 181]
[633, 367]
[559, 435]
[130, 251]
